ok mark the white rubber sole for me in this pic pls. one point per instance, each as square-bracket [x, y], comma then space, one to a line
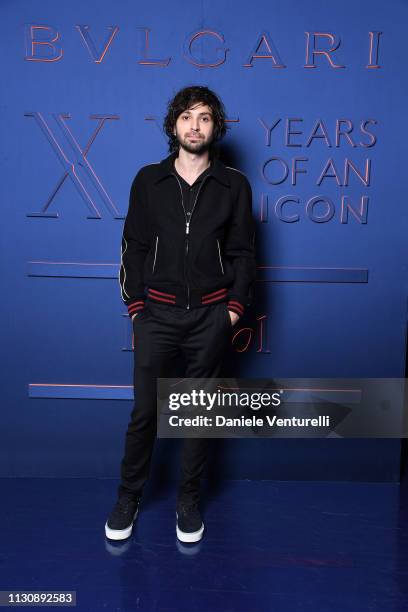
[193, 536]
[120, 534]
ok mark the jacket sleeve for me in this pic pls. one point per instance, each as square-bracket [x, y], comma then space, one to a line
[239, 248]
[134, 248]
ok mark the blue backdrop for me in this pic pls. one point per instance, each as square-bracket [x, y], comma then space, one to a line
[315, 101]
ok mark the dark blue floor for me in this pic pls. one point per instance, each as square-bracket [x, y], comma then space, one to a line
[276, 546]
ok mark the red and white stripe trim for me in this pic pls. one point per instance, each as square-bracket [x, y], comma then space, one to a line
[161, 296]
[215, 296]
[135, 307]
[207, 298]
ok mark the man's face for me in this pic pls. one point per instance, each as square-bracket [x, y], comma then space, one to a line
[194, 128]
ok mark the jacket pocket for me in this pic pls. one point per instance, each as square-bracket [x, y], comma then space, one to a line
[219, 256]
[155, 254]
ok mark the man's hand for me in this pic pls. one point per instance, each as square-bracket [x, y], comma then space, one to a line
[233, 316]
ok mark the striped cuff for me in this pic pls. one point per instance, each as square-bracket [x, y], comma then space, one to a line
[236, 307]
[134, 307]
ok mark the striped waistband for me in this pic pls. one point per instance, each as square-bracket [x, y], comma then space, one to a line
[181, 298]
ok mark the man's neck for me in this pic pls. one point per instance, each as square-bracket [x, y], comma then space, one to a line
[190, 164]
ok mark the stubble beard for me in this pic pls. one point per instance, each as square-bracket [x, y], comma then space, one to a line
[198, 148]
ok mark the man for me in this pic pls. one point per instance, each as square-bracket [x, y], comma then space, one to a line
[189, 243]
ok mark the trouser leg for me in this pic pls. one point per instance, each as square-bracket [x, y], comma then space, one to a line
[155, 349]
[204, 349]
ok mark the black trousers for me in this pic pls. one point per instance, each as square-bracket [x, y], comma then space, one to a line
[161, 332]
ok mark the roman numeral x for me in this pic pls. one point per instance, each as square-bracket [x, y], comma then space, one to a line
[72, 161]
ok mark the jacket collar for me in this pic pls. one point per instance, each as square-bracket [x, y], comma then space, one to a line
[217, 169]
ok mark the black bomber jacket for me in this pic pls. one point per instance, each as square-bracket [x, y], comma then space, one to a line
[189, 259]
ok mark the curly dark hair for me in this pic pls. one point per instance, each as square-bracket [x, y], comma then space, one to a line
[184, 99]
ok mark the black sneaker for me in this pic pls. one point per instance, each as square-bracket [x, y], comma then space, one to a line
[120, 522]
[189, 526]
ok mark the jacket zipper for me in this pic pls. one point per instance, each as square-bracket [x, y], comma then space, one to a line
[187, 216]
[155, 253]
[219, 255]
